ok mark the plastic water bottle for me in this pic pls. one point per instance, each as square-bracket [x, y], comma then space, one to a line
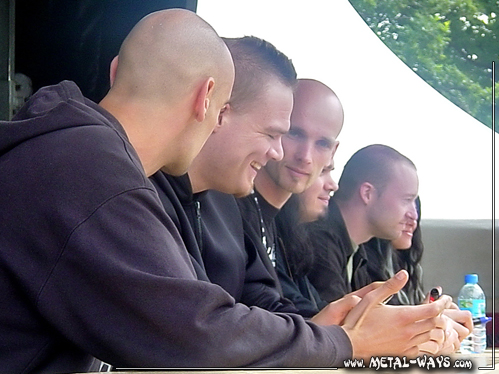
[472, 298]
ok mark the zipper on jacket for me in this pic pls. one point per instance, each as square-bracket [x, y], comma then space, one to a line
[199, 229]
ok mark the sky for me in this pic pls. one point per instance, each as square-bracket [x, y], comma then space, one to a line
[384, 101]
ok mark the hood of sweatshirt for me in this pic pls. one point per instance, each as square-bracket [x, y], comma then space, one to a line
[58, 102]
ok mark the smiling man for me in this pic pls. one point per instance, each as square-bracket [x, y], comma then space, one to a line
[250, 129]
[310, 145]
[247, 136]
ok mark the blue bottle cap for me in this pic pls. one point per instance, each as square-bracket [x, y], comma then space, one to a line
[471, 278]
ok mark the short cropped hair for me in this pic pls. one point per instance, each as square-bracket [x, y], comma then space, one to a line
[257, 61]
[373, 164]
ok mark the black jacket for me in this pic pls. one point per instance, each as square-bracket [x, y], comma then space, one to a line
[258, 214]
[218, 226]
[91, 265]
[333, 247]
[294, 259]
[298, 288]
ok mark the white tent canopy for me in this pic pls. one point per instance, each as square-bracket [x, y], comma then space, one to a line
[384, 101]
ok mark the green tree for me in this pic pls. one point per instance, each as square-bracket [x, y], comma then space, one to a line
[451, 44]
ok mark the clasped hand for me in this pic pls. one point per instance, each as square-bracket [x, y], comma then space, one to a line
[376, 329]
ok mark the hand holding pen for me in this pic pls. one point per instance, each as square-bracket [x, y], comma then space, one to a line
[435, 294]
[460, 320]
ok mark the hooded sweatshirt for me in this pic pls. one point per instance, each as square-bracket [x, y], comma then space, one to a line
[92, 266]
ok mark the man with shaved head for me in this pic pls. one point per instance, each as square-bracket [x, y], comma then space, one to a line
[91, 264]
[315, 123]
[172, 71]
[248, 134]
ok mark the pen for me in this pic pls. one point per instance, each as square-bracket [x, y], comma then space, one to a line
[481, 320]
[434, 294]
[387, 299]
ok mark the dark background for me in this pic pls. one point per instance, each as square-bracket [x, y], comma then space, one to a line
[77, 39]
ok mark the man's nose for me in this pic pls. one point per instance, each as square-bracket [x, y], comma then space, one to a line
[304, 154]
[276, 151]
[331, 185]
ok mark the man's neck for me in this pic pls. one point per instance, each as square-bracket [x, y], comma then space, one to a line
[271, 192]
[198, 181]
[145, 140]
[355, 223]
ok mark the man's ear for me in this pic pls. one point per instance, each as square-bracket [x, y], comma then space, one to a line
[222, 117]
[367, 192]
[203, 99]
[112, 70]
[335, 147]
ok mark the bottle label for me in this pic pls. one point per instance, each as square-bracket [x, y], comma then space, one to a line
[476, 307]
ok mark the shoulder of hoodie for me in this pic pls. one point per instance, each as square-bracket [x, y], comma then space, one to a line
[63, 107]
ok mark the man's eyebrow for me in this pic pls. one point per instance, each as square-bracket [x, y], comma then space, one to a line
[328, 169]
[411, 195]
[278, 130]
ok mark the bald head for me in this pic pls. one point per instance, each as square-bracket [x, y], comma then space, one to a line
[317, 102]
[316, 121]
[167, 53]
[172, 77]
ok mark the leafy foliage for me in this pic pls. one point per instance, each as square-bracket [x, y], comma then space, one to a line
[451, 44]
